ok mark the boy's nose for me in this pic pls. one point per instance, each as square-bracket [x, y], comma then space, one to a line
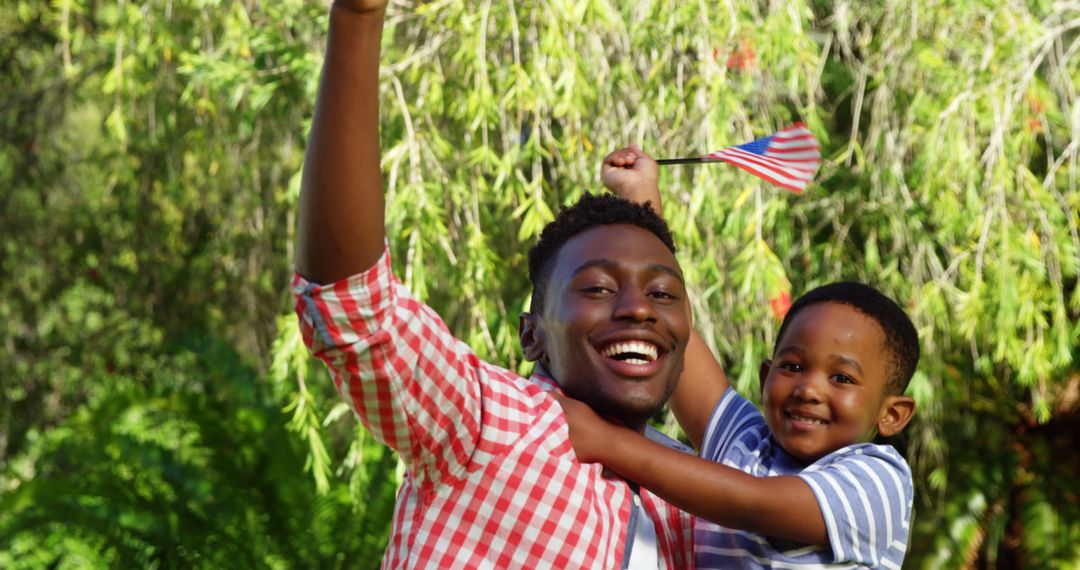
[809, 389]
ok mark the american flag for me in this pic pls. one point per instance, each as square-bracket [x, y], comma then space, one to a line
[788, 158]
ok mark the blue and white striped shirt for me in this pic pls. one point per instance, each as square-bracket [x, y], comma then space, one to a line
[864, 491]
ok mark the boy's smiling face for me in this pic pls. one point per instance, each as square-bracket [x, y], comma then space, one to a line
[826, 385]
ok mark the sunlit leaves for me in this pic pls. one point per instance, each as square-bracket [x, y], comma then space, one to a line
[150, 156]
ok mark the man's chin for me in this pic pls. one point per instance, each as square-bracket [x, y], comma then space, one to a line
[631, 412]
[632, 402]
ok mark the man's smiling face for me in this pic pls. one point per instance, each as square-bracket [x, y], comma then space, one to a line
[615, 322]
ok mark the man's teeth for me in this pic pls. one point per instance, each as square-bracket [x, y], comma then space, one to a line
[805, 419]
[632, 352]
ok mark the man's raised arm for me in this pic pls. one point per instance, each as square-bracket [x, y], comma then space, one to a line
[341, 228]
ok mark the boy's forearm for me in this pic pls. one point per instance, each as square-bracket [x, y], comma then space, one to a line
[632, 174]
[782, 507]
[341, 223]
[701, 385]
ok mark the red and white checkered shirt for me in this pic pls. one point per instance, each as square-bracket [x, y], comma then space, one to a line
[492, 480]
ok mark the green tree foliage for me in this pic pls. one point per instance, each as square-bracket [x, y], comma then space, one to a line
[180, 478]
[146, 160]
[149, 159]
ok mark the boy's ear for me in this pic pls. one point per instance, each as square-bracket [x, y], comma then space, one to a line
[763, 373]
[895, 414]
[531, 336]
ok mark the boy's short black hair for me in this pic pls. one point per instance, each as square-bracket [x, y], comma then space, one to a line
[901, 339]
[590, 211]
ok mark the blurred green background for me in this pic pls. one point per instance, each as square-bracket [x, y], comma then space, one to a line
[159, 410]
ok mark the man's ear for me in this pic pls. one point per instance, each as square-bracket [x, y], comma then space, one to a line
[531, 336]
[763, 373]
[895, 414]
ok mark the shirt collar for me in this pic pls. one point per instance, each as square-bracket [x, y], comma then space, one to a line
[545, 383]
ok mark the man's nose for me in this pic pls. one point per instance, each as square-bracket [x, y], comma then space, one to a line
[633, 304]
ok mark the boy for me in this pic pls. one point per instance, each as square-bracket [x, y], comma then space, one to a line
[798, 484]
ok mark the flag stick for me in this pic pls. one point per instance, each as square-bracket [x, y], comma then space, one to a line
[689, 160]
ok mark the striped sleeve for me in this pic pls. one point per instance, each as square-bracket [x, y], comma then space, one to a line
[865, 494]
[412, 384]
[731, 421]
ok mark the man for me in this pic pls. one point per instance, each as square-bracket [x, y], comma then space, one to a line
[491, 478]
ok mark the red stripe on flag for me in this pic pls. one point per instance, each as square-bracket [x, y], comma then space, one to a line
[766, 176]
[792, 137]
[792, 167]
[785, 177]
[809, 150]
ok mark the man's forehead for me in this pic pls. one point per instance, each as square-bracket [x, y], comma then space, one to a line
[614, 264]
[613, 246]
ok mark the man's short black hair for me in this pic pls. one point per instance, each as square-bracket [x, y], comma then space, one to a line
[901, 339]
[590, 211]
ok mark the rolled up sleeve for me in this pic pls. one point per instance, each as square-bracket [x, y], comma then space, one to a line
[394, 361]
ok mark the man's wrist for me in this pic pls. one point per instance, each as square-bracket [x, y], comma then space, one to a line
[344, 9]
[364, 26]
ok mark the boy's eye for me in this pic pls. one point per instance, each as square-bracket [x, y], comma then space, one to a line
[791, 366]
[843, 379]
[596, 290]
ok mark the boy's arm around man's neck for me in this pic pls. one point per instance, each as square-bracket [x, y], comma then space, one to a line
[782, 506]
